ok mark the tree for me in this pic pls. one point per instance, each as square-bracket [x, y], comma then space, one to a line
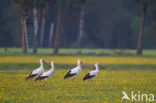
[153, 17]
[56, 39]
[144, 5]
[24, 5]
[38, 6]
[81, 20]
[79, 6]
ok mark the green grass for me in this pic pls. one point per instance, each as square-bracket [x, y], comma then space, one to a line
[18, 66]
[119, 70]
[107, 88]
[87, 54]
[78, 52]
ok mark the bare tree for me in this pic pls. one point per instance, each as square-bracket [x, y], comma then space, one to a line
[144, 5]
[56, 40]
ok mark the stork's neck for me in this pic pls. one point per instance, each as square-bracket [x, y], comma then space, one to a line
[97, 68]
[79, 65]
[52, 67]
[41, 65]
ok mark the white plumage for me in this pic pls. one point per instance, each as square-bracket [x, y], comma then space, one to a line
[93, 73]
[47, 74]
[37, 72]
[74, 71]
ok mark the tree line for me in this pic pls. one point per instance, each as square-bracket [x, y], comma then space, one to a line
[80, 23]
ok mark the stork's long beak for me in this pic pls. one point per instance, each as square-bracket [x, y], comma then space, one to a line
[82, 63]
[55, 63]
[44, 62]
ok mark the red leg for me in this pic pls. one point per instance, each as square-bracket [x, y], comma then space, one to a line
[46, 84]
[40, 84]
[73, 79]
[30, 82]
[91, 83]
[88, 82]
[34, 85]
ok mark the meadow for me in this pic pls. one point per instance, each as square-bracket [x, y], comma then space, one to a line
[119, 70]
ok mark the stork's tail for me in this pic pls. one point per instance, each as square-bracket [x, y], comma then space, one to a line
[65, 76]
[30, 76]
[86, 77]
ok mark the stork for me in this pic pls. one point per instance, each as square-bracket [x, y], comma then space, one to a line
[37, 72]
[92, 74]
[73, 72]
[46, 75]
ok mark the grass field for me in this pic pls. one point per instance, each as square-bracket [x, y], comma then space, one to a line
[119, 70]
[76, 52]
[108, 87]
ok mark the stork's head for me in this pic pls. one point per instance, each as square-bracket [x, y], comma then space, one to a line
[52, 63]
[42, 61]
[79, 62]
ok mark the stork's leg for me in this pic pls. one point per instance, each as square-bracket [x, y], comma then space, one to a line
[30, 82]
[46, 84]
[40, 84]
[73, 80]
[34, 85]
[91, 83]
[88, 82]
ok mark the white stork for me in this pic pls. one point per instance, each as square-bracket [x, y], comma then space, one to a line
[37, 72]
[46, 75]
[74, 71]
[92, 74]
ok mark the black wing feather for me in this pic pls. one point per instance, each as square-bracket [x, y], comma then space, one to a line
[88, 76]
[69, 75]
[41, 77]
[30, 76]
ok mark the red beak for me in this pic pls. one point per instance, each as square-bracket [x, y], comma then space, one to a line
[45, 62]
[82, 63]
